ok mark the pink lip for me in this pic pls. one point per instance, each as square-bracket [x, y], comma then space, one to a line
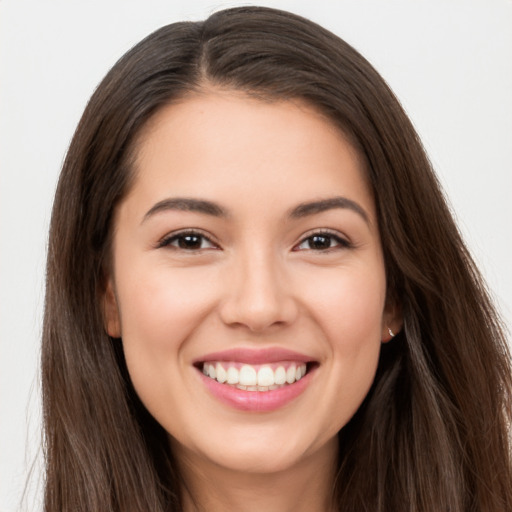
[256, 401]
[255, 356]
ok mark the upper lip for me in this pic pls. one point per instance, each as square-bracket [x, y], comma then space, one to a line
[255, 356]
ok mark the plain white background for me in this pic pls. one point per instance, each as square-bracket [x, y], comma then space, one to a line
[449, 62]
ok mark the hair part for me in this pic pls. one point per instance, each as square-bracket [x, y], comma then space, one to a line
[432, 434]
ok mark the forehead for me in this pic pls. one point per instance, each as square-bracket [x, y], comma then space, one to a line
[221, 141]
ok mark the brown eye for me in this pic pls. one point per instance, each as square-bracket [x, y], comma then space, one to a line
[319, 242]
[322, 242]
[188, 241]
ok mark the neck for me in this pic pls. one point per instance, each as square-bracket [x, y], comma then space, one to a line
[304, 487]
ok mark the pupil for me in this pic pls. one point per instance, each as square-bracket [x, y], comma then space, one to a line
[189, 242]
[320, 242]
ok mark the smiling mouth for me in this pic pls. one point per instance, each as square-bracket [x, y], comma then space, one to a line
[259, 377]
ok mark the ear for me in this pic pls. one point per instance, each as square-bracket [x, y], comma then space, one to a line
[111, 317]
[392, 321]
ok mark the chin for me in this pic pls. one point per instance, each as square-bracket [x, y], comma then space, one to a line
[257, 460]
[257, 450]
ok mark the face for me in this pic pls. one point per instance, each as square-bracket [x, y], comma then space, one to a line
[248, 282]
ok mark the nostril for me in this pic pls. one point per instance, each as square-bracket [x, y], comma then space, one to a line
[258, 316]
[257, 298]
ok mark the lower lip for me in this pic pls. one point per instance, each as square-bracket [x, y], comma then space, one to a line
[256, 401]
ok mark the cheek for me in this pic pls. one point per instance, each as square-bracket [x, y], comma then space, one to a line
[160, 309]
[162, 304]
[349, 304]
[348, 308]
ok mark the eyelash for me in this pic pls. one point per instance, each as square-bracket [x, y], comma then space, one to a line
[341, 243]
[182, 235]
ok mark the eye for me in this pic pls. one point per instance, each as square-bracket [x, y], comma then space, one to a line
[187, 241]
[322, 241]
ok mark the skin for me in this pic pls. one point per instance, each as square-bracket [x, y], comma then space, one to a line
[256, 280]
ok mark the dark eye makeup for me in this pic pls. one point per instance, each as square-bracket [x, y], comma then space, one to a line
[189, 240]
[194, 240]
[323, 241]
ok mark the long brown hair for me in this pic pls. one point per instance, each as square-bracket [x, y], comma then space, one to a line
[432, 434]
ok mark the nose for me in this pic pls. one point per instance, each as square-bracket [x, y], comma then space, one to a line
[258, 294]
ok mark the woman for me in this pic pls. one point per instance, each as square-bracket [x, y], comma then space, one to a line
[257, 298]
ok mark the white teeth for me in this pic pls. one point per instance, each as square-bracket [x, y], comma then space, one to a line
[232, 375]
[222, 375]
[290, 374]
[249, 378]
[280, 375]
[265, 376]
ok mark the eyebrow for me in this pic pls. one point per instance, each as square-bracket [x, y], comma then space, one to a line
[186, 204]
[314, 207]
[210, 208]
